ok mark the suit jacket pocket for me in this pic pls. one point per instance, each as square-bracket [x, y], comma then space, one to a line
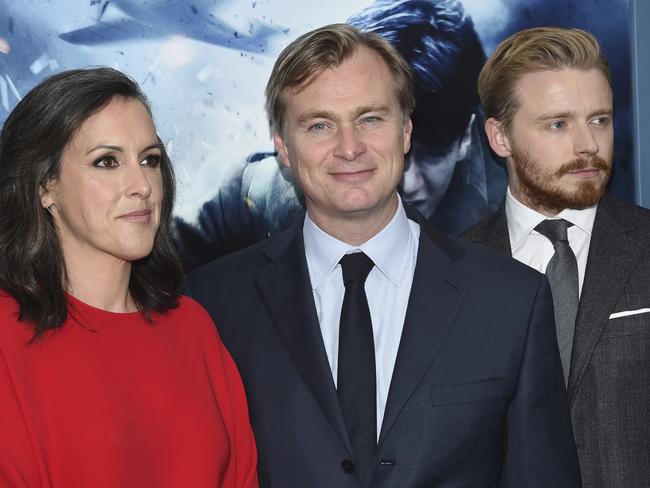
[478, 391]
[628, 325]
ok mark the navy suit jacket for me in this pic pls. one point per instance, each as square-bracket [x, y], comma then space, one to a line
[477, 397]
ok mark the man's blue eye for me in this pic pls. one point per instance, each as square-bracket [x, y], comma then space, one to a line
[559, 124]
[318, 127]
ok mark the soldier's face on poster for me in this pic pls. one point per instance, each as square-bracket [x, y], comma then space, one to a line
[428, 170]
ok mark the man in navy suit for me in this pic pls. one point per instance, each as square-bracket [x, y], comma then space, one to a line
[437, 367]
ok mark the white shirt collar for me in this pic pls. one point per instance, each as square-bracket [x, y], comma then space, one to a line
[388, 249]
[522, 219]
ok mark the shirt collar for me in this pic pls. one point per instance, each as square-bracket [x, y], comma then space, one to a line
[388, 249]
[522, 219]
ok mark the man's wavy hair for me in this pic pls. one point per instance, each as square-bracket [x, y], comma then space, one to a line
[328, 47]
[33, 138]
[530, 51]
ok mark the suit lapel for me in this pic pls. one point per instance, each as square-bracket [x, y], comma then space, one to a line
[612, 256]
[286, 291]
[493, 232]
[437, 292]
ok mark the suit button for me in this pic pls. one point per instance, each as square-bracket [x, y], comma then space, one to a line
[347, 465]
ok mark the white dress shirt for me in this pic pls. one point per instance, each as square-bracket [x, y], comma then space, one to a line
[394, 252]
[532, 248]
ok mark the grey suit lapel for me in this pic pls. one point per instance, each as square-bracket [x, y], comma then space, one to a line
[612, 256]
[286, 292]
[437, 292]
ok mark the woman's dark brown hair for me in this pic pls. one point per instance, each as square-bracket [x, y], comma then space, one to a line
[32, 269]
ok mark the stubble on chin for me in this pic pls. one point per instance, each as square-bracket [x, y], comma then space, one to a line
[542, 190]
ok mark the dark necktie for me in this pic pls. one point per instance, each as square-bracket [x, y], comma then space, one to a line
[356, 363]
[562, 274]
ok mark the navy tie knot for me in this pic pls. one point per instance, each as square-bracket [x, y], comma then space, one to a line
[356, 267]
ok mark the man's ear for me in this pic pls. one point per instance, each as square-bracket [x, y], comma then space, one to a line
[408, 130]
[282, 149]
[497, 137]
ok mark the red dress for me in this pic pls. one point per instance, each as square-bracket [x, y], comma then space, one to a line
[119, 402]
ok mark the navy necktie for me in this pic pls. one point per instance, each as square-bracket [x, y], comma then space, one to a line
[356, 383]
[562, 274]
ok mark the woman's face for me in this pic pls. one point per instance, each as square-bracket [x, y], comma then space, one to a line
[106, 200]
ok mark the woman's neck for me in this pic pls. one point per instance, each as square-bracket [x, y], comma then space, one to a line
[102, 282]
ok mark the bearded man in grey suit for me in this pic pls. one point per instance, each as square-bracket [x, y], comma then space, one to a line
[548, 103]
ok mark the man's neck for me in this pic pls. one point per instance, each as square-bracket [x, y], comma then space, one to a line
[357, 227]
[522, 198]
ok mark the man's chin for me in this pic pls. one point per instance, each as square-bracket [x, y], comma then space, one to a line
[578, 197]
[586, 196]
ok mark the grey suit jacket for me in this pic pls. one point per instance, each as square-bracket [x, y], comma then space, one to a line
[609, 379]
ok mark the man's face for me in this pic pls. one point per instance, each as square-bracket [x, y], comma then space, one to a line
[559, 148]
[345, 140]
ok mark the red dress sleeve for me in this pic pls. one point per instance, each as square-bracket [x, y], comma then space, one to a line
[243, 442]
[18, 467]
[241, 467]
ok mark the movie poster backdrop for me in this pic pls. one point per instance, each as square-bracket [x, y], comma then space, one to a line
[204, 65]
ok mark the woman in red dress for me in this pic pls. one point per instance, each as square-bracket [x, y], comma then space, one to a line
[107, 377]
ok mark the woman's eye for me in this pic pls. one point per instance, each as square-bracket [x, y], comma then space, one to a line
[152, 161]
[106, 162]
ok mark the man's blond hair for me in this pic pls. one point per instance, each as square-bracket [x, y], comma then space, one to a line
[530, 51]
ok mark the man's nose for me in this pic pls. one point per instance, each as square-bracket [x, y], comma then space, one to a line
[349, 144]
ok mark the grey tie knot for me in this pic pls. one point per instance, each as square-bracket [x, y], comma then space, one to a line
[356, 267]
[554, 230]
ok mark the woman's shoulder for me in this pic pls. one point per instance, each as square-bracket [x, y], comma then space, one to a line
[190, 315]
[11, 328]
[8, 307]
[189, 307]
[6, 299]
[190, 324]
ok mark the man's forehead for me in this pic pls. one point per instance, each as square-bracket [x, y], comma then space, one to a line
[348, 92]
[363, 61]
[354, 112]
[566, 87]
